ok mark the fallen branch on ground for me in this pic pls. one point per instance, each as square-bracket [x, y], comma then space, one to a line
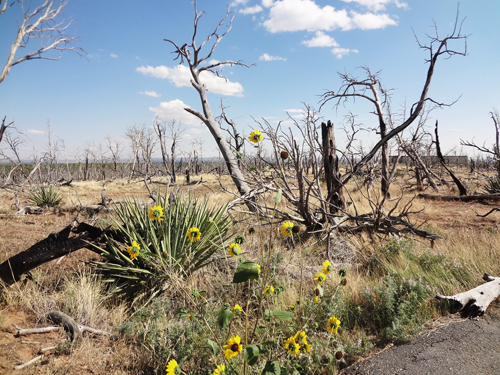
[465, 198]
[474, 302]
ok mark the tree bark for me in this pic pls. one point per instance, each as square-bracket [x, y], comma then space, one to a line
[54, 246]
[334, 186]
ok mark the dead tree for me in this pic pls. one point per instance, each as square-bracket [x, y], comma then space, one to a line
[39, 23]
[494, 150]
[460, 186]
[475, 301]
[191, 54]
[235, 140]
[371, 89]
[335, 196]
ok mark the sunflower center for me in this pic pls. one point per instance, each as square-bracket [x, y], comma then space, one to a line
[234, 347]
[194, 233]
[156, 213]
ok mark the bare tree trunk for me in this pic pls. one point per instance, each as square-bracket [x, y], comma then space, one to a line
[331, 164]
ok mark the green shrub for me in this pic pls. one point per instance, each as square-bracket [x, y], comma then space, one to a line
[159, 336]
[161, 246]
[396, 309]
[45, 196]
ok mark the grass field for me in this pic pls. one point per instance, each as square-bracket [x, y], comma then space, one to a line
[387, 296]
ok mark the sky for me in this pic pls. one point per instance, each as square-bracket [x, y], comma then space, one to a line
[128, 74]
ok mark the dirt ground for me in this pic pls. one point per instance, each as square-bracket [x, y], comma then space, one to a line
[459, 346]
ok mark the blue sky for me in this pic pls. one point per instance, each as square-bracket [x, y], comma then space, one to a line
[128, 75]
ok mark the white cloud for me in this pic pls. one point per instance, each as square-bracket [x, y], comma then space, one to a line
[267, 3]
[180, 76]
[113, 55]
[377, 5]
[266, 57]
[321, 40]
[251, 10]
[340, 52]
[238, 2]
[294, 110]
[174, 110]
[296, 15]
[154, 94]
[34, 131]
[369, 21]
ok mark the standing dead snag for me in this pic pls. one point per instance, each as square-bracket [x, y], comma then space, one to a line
[39, 23]
[371, 89]
[474, 302]
[191, 53]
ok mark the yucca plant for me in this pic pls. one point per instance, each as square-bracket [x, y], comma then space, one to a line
[143, 250]
[493, 186]
[45, 196]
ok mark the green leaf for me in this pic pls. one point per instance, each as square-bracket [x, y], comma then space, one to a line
[272, 368]
[253, 169]
[246, 271]
[283, 315]
[265, 169]
[252, 354]
[212, 346]
[277, 200]
[225, 316]
[267, 315]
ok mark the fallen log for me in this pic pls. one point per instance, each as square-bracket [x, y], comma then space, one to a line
[71, 238]
[474, 302]
[463, 198]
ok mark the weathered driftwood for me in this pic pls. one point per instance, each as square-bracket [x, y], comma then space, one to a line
[34, 210]
[65, 323]
[71, 238]
[464, 198]
[474, 302]
[26, 364]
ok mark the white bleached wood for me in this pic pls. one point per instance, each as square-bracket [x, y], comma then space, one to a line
[474, 302]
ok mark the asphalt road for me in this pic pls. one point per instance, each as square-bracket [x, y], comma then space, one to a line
[464, 347]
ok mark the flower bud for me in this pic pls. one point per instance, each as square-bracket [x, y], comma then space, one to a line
[339, 355]
[296, 229]
[284, 155]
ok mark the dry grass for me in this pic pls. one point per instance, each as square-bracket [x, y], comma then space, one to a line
[68, 285]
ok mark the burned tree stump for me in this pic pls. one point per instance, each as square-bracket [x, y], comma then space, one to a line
[474, 302]
[71, 238]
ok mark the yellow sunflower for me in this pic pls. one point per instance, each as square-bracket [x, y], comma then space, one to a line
[287, 228]
[333, 325]
[219, 370]
[327, 267]
[173, 367]
[292, 346]
[320, 277]
[234, 249]
[258, 266]
[237, 310]
[256, 136]
[193, 234]
[156, 213]
[316, 300]
[233, 347]
[269, 291]
[133, 250]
